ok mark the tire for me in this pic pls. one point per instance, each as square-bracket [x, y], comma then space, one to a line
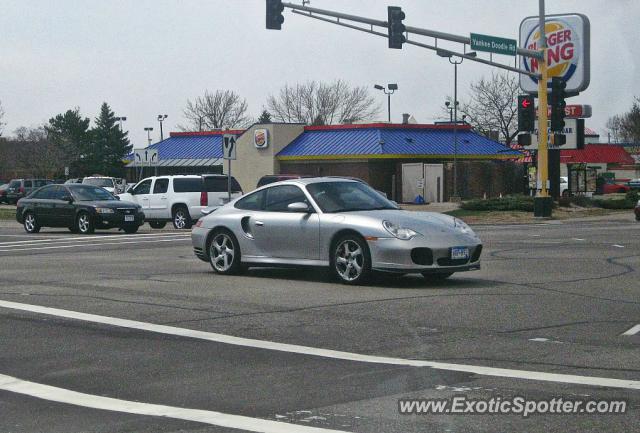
[224, 253]
[440, 276]
[351, 260]
[181, 218]
[84, 223]
[31, 223]
[157, 224]
[565, 193]
[130, 230]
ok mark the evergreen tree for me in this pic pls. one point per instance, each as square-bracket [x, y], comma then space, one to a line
[109, 144]
[265, 117]
[70, 133]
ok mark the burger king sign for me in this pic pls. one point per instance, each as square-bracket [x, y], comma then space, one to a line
[567, 50]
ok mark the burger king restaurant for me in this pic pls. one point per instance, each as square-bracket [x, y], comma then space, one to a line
[408, 162]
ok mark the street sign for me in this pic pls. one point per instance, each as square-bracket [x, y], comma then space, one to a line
[145, 157]
[568, 42]
[573, 130]
[493, 44]
[573, 111]
[229, 146]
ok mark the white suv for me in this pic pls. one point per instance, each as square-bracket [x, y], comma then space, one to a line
[179, 198]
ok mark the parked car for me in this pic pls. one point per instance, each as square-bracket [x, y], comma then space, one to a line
[637, 211]
[19, 188]
[340, 223]
[611, 187]
[271, 178]
[564, 186]
[81, 208]
[108, 183]
[634, 184]
[73, 180]
[3, 193]
[179, 199]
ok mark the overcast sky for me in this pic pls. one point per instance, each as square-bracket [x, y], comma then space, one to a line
[146, 57]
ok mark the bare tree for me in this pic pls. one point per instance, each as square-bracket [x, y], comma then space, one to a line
[493, 106]
[34, 154]
[1, 117]
[322, 103]
[615, 128]
[221, 109]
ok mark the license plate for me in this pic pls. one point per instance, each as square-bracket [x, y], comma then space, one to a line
[458, 253]
[129, 217]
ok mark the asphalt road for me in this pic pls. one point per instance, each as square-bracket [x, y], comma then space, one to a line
[548, 309]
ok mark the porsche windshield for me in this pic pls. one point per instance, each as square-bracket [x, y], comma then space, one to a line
[347, 196]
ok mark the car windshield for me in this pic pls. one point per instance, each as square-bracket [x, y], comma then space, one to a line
[347, 196]
[98, 181]
[91, 193]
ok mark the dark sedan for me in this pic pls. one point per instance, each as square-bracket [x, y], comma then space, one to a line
[81, 208]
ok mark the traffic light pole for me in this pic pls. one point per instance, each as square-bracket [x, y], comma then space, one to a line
[543, 202]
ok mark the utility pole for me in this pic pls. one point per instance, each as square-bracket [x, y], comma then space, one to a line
[543, 202]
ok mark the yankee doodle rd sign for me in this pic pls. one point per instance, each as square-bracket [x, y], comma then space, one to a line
[493, 44]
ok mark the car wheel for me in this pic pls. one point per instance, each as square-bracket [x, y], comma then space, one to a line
[130, 230]
[157, 224]
[622, 190]
[84, 223]
[351, 260]
[565, 193]
[181, 218]
[439, 276]
[224, 253]
[31, 223]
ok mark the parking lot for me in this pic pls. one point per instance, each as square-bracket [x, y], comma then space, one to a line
[138, 335]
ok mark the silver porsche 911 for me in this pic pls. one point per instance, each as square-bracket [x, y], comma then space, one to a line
[340, 223]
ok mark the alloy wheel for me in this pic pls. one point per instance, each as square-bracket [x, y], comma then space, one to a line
[30, 222]
[180, 220]
[84, 223]
[222, 252]
[349, 260]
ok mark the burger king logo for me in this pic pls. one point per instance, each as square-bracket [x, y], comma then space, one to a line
[260, 138]
[563, 49]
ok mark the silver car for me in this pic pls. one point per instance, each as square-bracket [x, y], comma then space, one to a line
[340, 223]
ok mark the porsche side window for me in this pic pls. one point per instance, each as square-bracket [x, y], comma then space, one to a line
[253, 201]
[279, 197]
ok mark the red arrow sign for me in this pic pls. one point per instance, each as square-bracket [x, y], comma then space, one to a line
[526, 103]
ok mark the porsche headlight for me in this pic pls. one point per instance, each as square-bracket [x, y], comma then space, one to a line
[461, 226]
[399, 232]
[104, 210]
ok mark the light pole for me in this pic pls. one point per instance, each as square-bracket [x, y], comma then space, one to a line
[455, 64]
[392, 88]
[121, 119]
[148, 129]
[161, 118]
[447, 103]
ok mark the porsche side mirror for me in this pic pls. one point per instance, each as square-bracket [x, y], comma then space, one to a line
[298, 207]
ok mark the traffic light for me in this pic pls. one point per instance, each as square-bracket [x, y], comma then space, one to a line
[559, 139]
[557, 103]
[395, 27]
[274, 14]
[524, 139]
[526, 113]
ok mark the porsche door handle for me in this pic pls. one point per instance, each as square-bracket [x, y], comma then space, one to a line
[259, 223]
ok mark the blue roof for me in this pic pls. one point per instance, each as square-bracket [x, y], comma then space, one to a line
[381, 141]
[189, 147]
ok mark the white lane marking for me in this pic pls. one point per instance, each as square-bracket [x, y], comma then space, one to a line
[617, 246]
[324, 353]
[61, 395]
[90, 238]
[578, 239]
[544, 340]
[632, 331]
[56, 247]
